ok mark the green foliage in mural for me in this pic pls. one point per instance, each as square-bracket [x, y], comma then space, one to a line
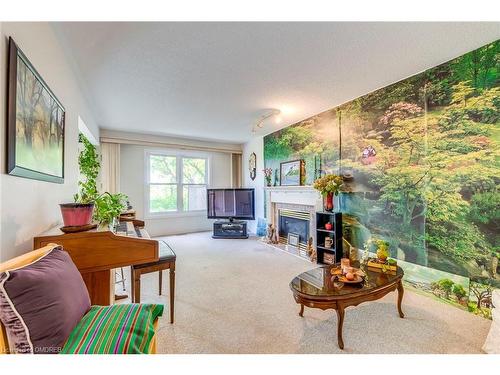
[425, 156]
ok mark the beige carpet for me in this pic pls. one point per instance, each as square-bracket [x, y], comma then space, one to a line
[232, 296]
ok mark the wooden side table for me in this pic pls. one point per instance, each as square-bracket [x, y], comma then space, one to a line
[166, 261]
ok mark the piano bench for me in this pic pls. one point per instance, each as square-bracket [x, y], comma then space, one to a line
[166, 261]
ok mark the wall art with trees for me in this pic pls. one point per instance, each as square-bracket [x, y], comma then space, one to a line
[424, 154]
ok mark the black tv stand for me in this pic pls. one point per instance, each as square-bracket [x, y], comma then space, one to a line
[230, 229]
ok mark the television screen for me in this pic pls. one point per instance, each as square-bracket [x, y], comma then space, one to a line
[231, 203]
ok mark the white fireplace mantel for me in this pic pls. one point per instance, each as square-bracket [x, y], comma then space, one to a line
[300, 195]
[297, 198]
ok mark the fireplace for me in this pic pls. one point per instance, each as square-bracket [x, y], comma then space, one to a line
[292, 209]
[294, 222]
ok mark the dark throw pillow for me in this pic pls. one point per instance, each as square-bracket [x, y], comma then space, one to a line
[41, 303]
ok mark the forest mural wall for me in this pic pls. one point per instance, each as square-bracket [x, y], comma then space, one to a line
[424, 154]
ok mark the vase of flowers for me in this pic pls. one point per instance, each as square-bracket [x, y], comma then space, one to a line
[328, 185]
[268, 175]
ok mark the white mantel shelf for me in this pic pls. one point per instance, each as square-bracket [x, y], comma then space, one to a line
[299, 195]
[289, 188]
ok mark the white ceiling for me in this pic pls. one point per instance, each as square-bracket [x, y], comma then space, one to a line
[213, 80]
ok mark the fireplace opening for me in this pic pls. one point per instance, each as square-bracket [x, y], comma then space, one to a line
[295, 222]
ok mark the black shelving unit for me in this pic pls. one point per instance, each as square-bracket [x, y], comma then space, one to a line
[335, 218]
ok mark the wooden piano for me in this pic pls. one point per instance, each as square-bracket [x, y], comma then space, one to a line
[98, 252]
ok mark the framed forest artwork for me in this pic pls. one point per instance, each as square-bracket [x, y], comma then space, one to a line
[35, 123]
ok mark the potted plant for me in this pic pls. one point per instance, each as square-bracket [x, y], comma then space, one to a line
[109, 207]
[105, 207]
[328, 185]
[268, 175]
[79, 213]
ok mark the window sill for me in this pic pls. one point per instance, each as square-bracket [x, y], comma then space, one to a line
[169, 215]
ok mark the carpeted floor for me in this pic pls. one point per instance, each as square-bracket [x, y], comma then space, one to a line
[232, 296]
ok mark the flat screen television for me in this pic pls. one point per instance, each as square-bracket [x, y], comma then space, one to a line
[231, 204]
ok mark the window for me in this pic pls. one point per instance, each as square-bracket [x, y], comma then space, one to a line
[176, 183]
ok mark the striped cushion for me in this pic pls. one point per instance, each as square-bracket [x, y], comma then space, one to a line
[116, 329]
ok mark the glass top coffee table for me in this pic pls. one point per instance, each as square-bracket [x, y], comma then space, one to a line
[318, 288]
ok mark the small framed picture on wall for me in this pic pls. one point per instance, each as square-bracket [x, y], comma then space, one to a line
[292, 173]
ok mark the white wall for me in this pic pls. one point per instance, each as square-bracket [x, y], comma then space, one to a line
[29, 207]
[256, 144]
[132, 183]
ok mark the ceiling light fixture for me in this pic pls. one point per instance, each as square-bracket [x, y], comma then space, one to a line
[259, 124]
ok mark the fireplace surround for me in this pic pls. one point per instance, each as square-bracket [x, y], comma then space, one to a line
[293, 204]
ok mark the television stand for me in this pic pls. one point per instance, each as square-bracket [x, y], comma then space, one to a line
[230, 229]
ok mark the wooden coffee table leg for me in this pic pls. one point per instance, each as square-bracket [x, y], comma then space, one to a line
[340, 323]
[301, 312]
[400, 298]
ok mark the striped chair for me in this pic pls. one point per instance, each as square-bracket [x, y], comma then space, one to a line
[104, 329]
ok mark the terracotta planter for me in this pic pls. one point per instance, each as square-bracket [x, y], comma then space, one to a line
[76, 214]
[329, 202]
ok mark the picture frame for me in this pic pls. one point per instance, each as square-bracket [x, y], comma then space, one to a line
[35, 123]
[293, 239]
[292, 173]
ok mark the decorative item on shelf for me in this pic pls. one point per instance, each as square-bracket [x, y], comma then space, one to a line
[389, 265]
[353, 254]
[272, 236]
[276, 174]
[344, 263]
[252, 165]
[261, 227]
[293, 239]
[313, 255]
[328, 226]
[328, 185]
[328, 242]
[383, 251]
[318, 164]
[292, 173]
[329, 258]
[380, 247]
[268, 175]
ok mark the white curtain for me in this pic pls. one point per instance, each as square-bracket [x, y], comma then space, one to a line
[110, 167]
[236, 176]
